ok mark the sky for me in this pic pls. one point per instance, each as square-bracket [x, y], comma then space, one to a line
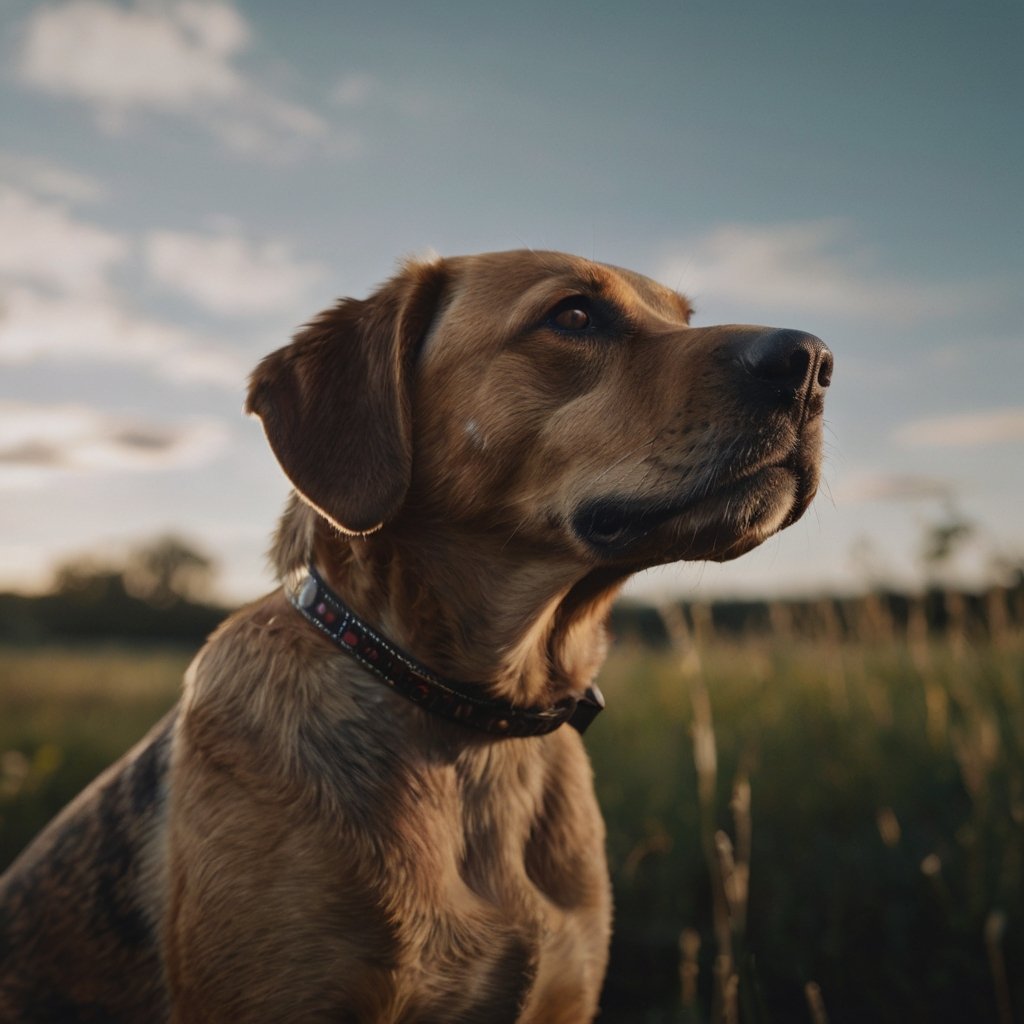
[183, 183]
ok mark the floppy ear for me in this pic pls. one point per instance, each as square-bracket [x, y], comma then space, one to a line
[335, 403]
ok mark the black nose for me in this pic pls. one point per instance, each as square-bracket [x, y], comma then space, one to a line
[790, 360]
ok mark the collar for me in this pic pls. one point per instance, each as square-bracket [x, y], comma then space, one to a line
[407, 677]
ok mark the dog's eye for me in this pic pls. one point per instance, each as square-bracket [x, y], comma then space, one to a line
[573, 319]
[572, 315]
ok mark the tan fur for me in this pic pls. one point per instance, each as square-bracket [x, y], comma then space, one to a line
[298, 843]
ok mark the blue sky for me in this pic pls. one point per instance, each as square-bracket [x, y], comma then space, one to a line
[182, 183]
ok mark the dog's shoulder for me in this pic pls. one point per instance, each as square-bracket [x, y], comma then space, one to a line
[264, 671]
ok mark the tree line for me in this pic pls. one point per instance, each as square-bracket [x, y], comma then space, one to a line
[163, 592]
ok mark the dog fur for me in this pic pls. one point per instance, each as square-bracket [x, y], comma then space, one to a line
[482, 452]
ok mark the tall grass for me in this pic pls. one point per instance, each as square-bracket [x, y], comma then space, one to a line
[839, 822]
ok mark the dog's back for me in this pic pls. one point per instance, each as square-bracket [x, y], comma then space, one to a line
[79, 908]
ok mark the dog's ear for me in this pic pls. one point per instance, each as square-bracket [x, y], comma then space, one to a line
[336, 402]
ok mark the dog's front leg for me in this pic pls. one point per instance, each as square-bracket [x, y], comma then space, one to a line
[265, 921]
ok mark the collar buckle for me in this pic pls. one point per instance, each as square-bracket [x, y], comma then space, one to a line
[588, 707]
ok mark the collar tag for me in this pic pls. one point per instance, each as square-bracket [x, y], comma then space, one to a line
[588, 707]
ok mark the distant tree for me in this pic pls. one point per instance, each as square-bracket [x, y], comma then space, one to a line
[944, 539]
[870, 562]
[87, 580]
[168, 570]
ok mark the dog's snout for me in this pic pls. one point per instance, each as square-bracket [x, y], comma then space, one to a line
[794, 361]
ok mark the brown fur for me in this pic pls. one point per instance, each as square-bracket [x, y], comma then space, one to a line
[296, 842]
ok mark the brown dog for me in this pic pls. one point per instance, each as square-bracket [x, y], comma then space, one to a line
[482, 452]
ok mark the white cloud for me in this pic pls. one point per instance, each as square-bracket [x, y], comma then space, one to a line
[41, 243]
[173, 57]
[159, 56]
[228, 274]
[40, 444]
[57, 301]
[965, 430]
[35, 326]
[44, 178]
[807, 267]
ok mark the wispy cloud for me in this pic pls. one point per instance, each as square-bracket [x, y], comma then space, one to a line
[43, 244]
[811, 267]
[41, 443]
[45, 178]
[229, 274]
[58, 300]
[353, 89]
[170, 57]
[38, 327]
[964, 430]
[875, 486]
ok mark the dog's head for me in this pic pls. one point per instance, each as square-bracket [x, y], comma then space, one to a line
[544, 400]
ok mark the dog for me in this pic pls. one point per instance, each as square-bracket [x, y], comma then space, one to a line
[372, 802]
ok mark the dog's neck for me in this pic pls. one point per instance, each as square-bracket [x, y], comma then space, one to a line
[530, 632]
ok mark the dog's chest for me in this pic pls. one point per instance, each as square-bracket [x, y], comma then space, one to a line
[501, 890]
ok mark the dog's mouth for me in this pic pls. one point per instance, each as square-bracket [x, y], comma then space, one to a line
[610, 524]
[717, 525]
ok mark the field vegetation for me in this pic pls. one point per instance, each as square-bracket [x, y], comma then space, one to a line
[810, 827]
[818, 821]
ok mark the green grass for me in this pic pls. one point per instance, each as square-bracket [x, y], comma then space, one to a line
[887, 817]
[886, 787]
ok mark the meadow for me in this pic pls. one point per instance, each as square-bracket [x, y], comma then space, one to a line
[802, 825]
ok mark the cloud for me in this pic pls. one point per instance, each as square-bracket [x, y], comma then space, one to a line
[868, 486]
[170, 57]
[40, 444]
[353, 89]
[35, 326]
[44, 178]
[41, 243]
[229, 275]
[964, 430]
[805, 267]
[58, 302]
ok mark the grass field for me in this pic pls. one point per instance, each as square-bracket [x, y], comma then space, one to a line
[799, 829]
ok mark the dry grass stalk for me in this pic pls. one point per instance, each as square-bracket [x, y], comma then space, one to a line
[976, 747]
[997, 615]
[729, 1012]
[831, 631]
[689, 965]
[815, 1003]
[888, 826]
[936, 702]
[874, 622]
[873, 628]
[725, 1003]
[740, 806]
[995, 925]
[917, 637]
[659, 841]
[727, 869]
[956, 623]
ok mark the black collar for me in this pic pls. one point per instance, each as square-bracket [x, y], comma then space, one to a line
[406, 676]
